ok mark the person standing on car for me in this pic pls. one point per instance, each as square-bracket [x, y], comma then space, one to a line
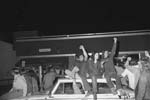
[81, 62]
[110, 71]
[95, 70]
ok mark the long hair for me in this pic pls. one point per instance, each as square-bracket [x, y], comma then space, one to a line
[93, 56]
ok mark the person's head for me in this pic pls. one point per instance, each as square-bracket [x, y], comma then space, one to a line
[106, 54]
[15, 71]
[95, 56]
[145, 63]
[52, 70]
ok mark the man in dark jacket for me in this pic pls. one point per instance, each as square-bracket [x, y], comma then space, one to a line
[48, 80]
[142, 91]
[109, 68]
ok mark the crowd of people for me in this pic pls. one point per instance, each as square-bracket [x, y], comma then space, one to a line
[131, 75]
[26, 83]
[134, 75]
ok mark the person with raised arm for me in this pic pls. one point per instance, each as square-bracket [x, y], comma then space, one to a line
[110, 71]
[82, 64]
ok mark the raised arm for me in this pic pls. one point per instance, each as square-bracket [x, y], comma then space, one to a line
[113, 51]
[147, 54]
[84, 52]
[127, 62]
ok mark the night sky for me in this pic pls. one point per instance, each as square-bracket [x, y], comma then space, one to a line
[53, 17]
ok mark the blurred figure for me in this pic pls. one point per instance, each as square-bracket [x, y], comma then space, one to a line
[81, 62]
[142, 91]
[48, 80]
[74, 75]
[132, 71]
[28, 79]
[120, 69]
[34, 83]
[19, 88]
[95, 69]
[110, 71]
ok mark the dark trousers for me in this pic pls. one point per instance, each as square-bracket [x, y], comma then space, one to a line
[94, 85]
[115, 76]
[85, 83]
[142, 91]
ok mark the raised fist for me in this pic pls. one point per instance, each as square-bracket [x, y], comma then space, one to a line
[129, 58]
[147, 54]
[81, 47]
[115, 40]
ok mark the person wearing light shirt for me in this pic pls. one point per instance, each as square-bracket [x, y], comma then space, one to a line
[19, 87]
[132, 72]
[20, 84]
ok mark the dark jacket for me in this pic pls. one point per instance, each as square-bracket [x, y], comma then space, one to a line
[109, 62]
[83, 67]
[95, 68]
[142, 91]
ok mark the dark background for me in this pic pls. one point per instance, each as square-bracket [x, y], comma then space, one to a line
[53, 17]
[70, 46]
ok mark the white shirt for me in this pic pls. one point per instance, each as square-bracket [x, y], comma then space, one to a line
[131, 78]
[133, 74]
[19, 83]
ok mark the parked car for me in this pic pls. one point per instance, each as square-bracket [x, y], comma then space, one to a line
[63, 90]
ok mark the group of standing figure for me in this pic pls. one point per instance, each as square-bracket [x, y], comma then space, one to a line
[138, 75]
[94, 67]
[26, 83]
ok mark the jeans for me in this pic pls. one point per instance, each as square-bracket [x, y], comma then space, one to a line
[142, 91]
[94, 84]
[85, 83]
[109, 82]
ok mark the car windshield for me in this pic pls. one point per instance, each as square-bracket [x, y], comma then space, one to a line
[67, 88]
